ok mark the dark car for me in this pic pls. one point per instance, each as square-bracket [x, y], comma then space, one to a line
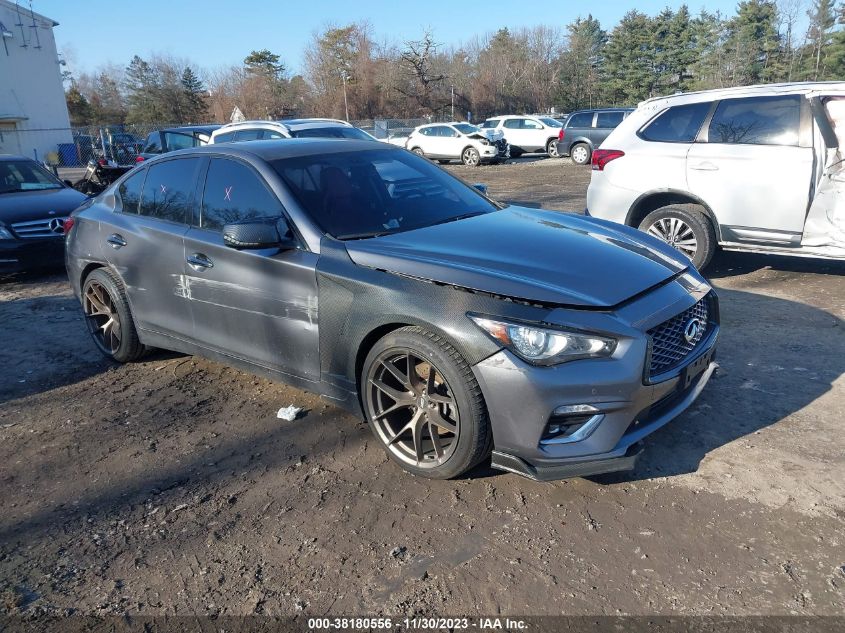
[33, 207]
[585, 130]
[172, 139]
[455, 325]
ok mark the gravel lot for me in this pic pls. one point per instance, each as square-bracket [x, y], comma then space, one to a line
[170, 487]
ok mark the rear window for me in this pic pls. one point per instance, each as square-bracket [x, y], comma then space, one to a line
[757, 121]
[581, 119]
[610, 120]
[679, 124]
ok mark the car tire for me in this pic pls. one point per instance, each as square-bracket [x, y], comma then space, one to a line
[408, 426]
[418, 151]
[580, 153]
[551, 148]
[470, 157]
[109, 317]
[686, 228]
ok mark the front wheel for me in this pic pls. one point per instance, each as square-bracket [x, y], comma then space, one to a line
[686, 229]
[424, 405]
[418, 151]
[108, 317]
[471, 157]
[581, 154]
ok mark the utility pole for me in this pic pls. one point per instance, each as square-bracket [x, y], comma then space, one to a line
[345, 100]
[453, 101]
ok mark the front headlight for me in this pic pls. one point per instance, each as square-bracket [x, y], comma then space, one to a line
[544, 346]
[5, 234]
[485, 141]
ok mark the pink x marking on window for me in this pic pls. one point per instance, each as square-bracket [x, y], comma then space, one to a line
[228, 193]
[163, 188]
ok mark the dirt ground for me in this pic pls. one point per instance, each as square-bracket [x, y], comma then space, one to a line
[170, 487]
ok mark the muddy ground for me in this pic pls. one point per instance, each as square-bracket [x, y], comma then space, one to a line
[170, 487]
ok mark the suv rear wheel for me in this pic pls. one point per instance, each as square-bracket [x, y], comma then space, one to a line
[685, 228]
[580, 153]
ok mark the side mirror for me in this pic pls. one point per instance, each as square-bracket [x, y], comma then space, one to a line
[259, 234]
[481, 187]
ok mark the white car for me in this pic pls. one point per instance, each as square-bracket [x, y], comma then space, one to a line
[458, 141]
[757, 168]
[527, 134]
[287, 128]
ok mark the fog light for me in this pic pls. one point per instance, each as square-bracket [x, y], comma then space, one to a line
[571, 423]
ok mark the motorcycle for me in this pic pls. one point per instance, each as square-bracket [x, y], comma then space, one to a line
[99, 174]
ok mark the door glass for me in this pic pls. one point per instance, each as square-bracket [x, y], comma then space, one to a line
[609, 119]
[513, 124]
[235, 193]
[177, 140]
[168, 189]
[128, 194]
[225, 137]
[581, 119]
[528, 124]
[247, 135]
[153, 144]
[679, 124]
[757, 121]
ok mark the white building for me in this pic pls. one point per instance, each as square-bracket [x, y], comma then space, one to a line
[33, 112]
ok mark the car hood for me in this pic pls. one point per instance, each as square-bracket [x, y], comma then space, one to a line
[543, 256]
[21, 206]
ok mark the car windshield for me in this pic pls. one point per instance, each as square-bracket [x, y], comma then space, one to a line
[466, 128]
[334, 131]
[25, 175]
[356, 195]
[551, 122]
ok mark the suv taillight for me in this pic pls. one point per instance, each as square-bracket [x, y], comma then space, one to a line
[561, 134]
[602, 157]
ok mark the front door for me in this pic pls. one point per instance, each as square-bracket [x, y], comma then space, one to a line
[255, 305]
[753, 166]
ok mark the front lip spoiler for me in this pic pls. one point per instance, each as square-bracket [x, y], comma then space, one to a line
[514, 464]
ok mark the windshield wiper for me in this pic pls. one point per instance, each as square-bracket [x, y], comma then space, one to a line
[362, 236]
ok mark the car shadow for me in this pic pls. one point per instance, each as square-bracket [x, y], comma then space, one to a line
[775, 358]
[729, 264]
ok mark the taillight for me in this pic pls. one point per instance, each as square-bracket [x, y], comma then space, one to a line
[561, 134]
[102, 162]
[139, 159]
[602, 157]
[67, 226]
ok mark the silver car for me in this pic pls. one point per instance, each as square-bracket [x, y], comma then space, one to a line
[457, 326]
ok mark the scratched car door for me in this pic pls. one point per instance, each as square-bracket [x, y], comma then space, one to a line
[254, 305]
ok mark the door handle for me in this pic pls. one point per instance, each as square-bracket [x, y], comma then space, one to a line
[198, 261]
[116, 240]
[705, 166]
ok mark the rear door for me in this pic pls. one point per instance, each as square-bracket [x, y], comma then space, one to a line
[255, 305]
[753, 166]
[517, 135]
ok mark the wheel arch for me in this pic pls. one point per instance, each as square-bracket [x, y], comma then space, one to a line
[579, 139]
[655, 199]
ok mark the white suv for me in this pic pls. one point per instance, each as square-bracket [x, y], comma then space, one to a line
[458, 141]
[754, 169]
[526, 134]
[287, 128]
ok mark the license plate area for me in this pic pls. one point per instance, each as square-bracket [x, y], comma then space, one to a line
[694, 369]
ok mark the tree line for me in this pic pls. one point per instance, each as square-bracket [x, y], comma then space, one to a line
[348, 74]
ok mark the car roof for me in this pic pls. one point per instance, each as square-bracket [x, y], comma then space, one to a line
[589, 110]
[287, 148]
[795, 87]
[11, 157]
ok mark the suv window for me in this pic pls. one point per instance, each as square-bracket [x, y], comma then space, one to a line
[153, 143]
[224, 138]
[128, 194]
[235, 193]
[757, 121]
[513, 124]
[581, 119]
[678, 124]
[528, 124]
[248, 135]
[168, 189]
[610, 120]
[178, 140]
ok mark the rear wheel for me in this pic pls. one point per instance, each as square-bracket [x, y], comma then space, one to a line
[471, 157]
[424, 405]
[686, 229]
[551, 148]
[580, 153]
[108, 317]
[418, 151]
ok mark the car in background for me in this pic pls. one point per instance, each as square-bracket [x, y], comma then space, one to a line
[586, 129]
[287, 128]
[34, 206]
[468, 143]
[122, 148]
[755, 168]
[171, 139]
[459, 328]
[527, 134]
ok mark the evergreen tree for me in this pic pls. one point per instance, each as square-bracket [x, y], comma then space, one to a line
[194, 92]
[80, 110]
[629, 60]
[142, 92]
[753, 44]
[579, 77]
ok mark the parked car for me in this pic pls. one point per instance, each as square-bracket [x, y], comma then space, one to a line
[171, 139]
[33, 207]
[287, 128]
[471, 145]
[357, 270]
[586, 129]
[526, 134]
[121, 147]
[751, 169]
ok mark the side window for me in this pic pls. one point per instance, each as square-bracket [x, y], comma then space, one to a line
[528, 124]
[580, 119]
[153, 143]
[513, 124]
[128, 194]
[757, 121]
[489, 124]
[609, 120]
[272, 134]
[426, 131]
[168, 188]
[224, 138]
[247, 135]
[449, 131]
[679, 124]
[235, 193]
[177, 140]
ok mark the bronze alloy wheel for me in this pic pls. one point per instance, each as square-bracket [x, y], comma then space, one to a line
[102, 318]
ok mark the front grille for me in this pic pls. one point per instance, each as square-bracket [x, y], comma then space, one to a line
[669, 344]
[48, 227]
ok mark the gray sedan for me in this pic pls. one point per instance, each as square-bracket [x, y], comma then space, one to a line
[457, 326]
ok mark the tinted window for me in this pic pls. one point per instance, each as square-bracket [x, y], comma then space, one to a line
[224, 138]
[679, 124]
[465, 128]
[153, 143]
[513, 124]
[128, 194]
[335, 131]
[177, 140]
[427, 131]
[609, 119]
[757, 121]
[248, 135]
[235, 193]
[489, 124]
[358, 194]
[272, 134]
[168, 189]
[581, 119]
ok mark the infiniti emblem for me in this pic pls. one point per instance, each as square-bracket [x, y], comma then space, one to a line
[692, 329]
[57, 225]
